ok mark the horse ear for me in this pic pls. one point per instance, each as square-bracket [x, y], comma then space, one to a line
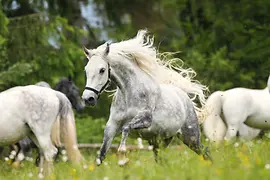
[87, 52]
[107, 50]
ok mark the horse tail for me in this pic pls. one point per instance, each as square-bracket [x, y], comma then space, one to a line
[213, 126]
[66, 125]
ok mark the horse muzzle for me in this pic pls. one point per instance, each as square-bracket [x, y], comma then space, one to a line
[90, 101]
[89, 97]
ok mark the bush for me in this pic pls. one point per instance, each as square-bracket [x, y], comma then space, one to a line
[90, 130]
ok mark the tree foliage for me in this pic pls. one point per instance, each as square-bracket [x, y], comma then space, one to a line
[225, 42]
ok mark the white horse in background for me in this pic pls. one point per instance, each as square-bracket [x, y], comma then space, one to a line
[33, 111]
[151, 101]
[238, 110]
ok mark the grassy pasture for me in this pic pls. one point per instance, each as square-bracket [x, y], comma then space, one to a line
[241, 160]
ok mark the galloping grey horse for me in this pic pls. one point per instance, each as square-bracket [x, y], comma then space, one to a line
[151, 101]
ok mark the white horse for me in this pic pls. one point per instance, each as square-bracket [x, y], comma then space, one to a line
[151, 100]
[33, 111]
[67, 87]
[237, 110]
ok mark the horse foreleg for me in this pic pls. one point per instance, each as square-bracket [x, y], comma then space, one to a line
[191, 137]
[109, 134]
[142, 120]
[231, 132]
[122, 150]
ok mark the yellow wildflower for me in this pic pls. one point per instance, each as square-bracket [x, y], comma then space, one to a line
[91, 167]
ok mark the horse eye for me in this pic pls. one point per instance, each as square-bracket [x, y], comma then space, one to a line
[102, 70]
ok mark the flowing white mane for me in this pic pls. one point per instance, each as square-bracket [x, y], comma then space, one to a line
[141, 50]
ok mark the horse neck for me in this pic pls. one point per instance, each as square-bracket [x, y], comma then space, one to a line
[128, 77]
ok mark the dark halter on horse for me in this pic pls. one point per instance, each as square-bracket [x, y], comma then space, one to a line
[104, 86]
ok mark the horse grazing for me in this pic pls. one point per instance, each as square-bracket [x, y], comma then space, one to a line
[151, 100]
[33, 111]
[238, 110]
[66, 86]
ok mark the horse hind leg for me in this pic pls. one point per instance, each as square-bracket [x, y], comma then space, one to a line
[191, 137]
[153, 142]
[42, 138]
[156, 145]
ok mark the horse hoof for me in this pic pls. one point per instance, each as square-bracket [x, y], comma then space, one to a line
[40, 176]
[98, 161]
[123, 162]
[16, 164]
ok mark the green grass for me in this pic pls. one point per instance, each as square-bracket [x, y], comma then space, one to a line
[247, 161]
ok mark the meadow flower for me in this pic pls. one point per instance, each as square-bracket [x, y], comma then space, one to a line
[106, 178]
[73, 172]
[64, 158]
[30, 159]
[63, 152]
[91, 167]
[11, 156]
[9, 161]
[267, 166]
[244, 159]
[30, 174]
[20, 156]
[201, 158]
[236, 145]
[244, 147]
[13, 152]
[258, 161]
[138, 163]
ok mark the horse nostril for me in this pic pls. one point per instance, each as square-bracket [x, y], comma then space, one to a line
[91, 100]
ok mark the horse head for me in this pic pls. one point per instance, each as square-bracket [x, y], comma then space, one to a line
[97, 73]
